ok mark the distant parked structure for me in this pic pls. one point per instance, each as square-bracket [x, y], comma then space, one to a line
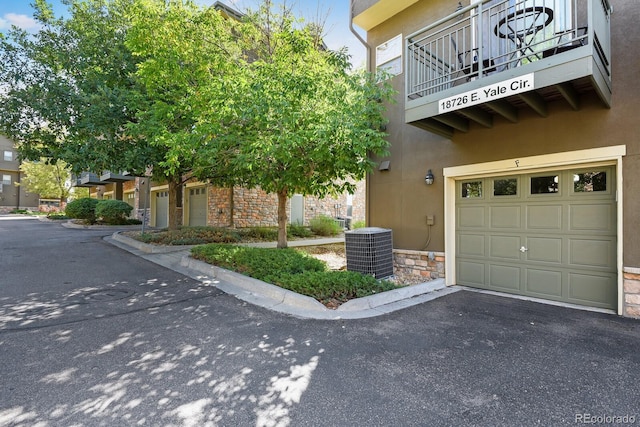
[12, 195]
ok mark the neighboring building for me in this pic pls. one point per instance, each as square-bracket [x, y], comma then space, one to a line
[255, 207]
[204, 204]
[525, 112]
[12, 195]
[123, 187]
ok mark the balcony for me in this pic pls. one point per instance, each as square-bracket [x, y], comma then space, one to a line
[496, 57]
[88, 179]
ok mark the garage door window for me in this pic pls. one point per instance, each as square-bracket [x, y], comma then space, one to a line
[505, 187]
[471, 189]
[547, 184]
[587, 182]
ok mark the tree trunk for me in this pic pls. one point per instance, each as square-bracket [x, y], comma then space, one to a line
[231, 207]
[175, 203]
[282, 219]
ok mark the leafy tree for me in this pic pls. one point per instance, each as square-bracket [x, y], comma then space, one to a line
[70, 92]
[51, 180]
[68, 88]
[188, 59]
[128, 84]
[299, 121]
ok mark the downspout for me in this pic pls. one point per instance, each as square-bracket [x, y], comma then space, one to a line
[368, 68]
[355, 33]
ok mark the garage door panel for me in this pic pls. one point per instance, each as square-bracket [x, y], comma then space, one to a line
[162, 209]
[197, 206]
[544, 283]
[544, 249]
[559, 244]
[504, 247]
[592, 252]
[505, 217]
[592, 217]
[504, 277]
[471, 273]
[471, 217]
[471, 244]
[544, 217]
[595, 290]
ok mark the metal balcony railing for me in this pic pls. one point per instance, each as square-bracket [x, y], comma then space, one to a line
[496, 36]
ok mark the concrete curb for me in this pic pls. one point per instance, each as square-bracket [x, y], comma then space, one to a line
[284, 301]
[146, 247]
[71, 224]
[384, 298]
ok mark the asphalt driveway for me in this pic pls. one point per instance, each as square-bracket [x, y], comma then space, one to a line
[137, 344]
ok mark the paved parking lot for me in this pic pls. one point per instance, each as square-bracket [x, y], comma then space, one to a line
[99, 337]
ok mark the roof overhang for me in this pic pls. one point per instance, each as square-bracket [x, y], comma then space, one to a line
[379, 12]
[88, 179]
[109, 177]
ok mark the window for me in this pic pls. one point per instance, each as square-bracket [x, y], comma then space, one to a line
[471, 189]
[8, 156]
[6, 179]
[544, 184]
[505, 187]
[586, 182]
[389, 56]
[349, 205]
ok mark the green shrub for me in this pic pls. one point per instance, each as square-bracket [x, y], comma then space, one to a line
[261, 233]
[84, 209]
[292, 270]
[113, 212]
[358, 224]
[300, 231]
[260, 263]
[333, 285]
[191, 236]
[323, 225]
[57, 216]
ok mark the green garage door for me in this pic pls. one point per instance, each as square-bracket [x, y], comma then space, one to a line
[162, 209]
[548, 235]
[198, 206]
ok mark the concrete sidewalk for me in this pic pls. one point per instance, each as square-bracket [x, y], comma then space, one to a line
[177, 258]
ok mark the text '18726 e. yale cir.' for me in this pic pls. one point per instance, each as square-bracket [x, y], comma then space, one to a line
[487, 93]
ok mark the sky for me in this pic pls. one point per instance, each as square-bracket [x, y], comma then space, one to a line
[336, 12]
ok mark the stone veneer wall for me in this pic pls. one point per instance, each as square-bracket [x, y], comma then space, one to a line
[631, 303]
[254, 208]
[359, 202]
[257, 208]
[416, 264]
[218, 207]
[314, 207]
[250, 207]
[138, 202]
[129, 185]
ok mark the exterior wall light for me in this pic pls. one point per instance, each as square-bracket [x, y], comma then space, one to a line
[429, 178]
